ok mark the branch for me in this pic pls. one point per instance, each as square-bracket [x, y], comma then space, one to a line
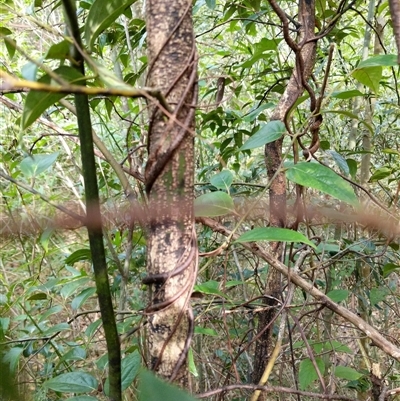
[377, 338]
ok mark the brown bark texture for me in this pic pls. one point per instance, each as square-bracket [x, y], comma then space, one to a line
[169, 175]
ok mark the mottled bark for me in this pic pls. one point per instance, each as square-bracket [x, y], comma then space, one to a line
[305, 60]
[172, 246]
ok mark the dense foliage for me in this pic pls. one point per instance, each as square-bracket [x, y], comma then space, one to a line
[51, 334]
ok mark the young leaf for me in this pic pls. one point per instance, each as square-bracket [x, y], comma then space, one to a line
[269, 132]
[151, 388]
[274, 234]
[222, 180]
[101, 15]
[213, 204]
[307, 372]
[72, 382]
[322, 178]
[347, 373]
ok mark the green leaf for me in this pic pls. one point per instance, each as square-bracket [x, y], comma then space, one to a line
[338, 295]
[383, 60]
[37, 102]
[209, 287]
[206, 331]
[274, 234]
[347, 373]
[129, 367]
[211, 4]
[38, 296]
[352, 167]
[377, 295]
[369, 76]
[389, 268]
[213, 204]
[101, 15]
[82, 398]
[151, 388]
[222, 180]
[252, 115]
[59, 51]
[56, 328]
[35, 164]
[307, 372]
[72, 382]
[322, 178]
[340, 161]
[347, 94]
[192, 365]
[80, 299]
[77, 256]
[269, 132]
[70, 287]
[381, 173]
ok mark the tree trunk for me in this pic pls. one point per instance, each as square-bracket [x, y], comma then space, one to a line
[172, 244]
[305, 59]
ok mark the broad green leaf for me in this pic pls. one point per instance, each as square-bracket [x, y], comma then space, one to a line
[338, 295]
[209, 287]
[381, 173]
[213, 204]
[252, 115]
[80, 299]
[101, 15]
[307, 372]
[369, 76]
[72, 382]
[35, 164]
[377, 295]
[347, 94]
[59, 51]
[151, 388]
[383, 60]
[269, 132]
[37, 102]
[77, 256]
[206, 331]
[347, 373]
[274, 234]
[314, 175]
[129, 369]
[389, 268]
[82, 398]
[222, 180]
